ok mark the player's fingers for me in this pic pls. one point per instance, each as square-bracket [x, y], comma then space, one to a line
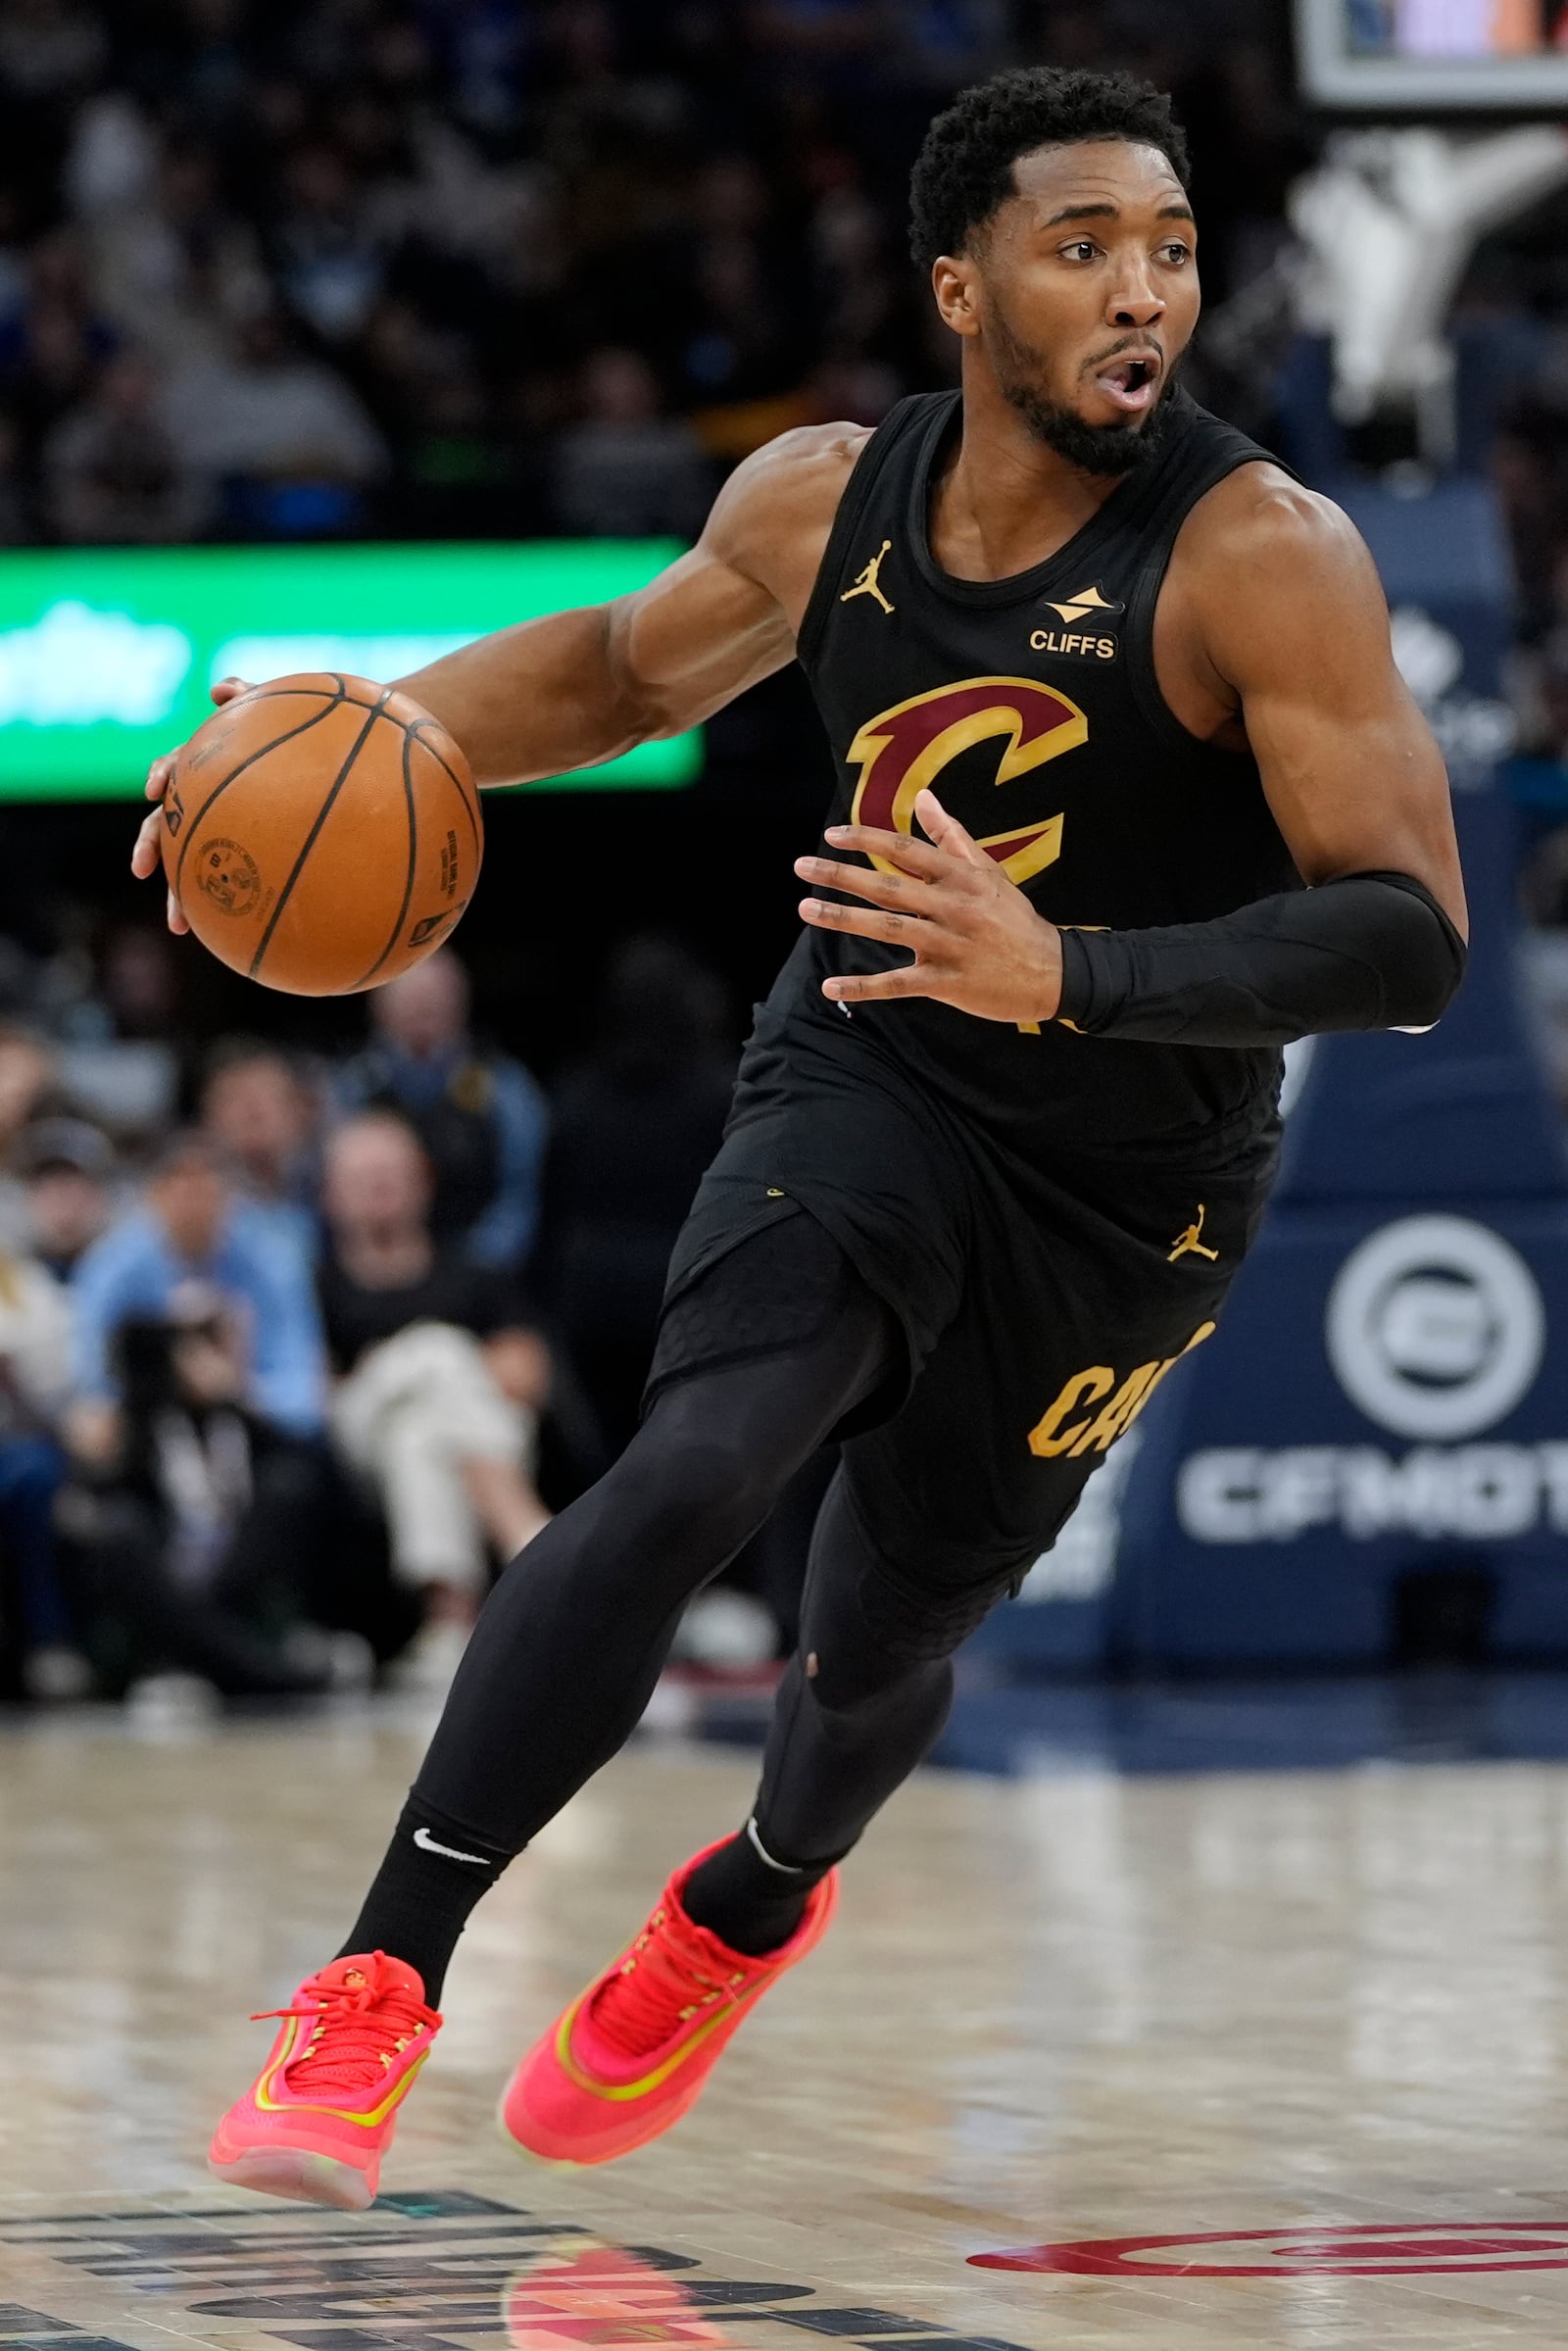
[176, 920]
[227, 688]
[144, 855]
[864, 881]
[948, 909]
[945, 832]
[898, 849]
[864, 923]
[160, 774]
[855, 988]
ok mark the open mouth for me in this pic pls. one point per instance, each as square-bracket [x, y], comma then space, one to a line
[1129, 383]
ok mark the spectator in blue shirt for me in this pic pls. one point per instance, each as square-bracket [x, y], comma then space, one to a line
[260, 1115]
[192, 1228]
[480, 1116]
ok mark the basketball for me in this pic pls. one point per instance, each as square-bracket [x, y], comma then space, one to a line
[322, 834]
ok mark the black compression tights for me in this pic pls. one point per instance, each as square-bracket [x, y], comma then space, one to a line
[573, 1637]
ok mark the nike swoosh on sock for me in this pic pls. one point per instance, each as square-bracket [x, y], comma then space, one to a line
[428, 1844]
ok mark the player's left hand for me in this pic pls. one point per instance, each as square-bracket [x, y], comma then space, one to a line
[146, 854]
[977, 943]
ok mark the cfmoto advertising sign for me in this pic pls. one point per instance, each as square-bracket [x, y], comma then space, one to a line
[1435, 1327]
[1387, 1397]
[106, 655]
[1435, 1330]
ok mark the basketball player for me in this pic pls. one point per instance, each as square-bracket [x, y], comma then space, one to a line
[1105, 688]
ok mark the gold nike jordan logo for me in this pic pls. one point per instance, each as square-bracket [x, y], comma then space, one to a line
[867, 583]
[1083, 605]
[1192, 1242]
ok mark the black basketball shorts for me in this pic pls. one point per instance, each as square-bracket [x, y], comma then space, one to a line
[1041, 1310]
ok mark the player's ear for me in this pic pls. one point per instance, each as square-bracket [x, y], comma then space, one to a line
[955, 281]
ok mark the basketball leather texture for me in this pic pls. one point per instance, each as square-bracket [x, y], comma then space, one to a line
[322, 834]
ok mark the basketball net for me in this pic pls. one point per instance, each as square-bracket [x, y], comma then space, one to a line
[1389, 220]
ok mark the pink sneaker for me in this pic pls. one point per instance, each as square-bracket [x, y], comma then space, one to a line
[324, 2106]
[631, 2055]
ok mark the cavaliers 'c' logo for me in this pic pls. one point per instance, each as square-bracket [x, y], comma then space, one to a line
[903, 750]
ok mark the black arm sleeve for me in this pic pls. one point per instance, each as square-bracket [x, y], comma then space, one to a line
[1369, 951]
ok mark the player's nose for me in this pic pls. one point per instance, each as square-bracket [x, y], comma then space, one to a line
[1135, 302]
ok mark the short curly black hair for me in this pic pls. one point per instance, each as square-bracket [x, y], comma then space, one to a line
[964, 169]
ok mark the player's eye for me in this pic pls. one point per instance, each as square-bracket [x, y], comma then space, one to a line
[1080, 249]
[1177, 253]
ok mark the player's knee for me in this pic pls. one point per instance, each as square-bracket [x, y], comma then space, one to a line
[853, 1680]
[705, 1490]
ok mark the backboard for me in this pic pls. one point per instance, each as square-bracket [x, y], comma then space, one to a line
[1450, 57]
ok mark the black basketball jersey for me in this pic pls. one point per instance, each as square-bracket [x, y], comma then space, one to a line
[1031, 706]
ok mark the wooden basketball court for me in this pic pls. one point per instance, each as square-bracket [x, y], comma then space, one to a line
[1279, 2055]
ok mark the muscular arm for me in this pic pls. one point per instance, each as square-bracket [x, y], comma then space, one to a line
[1291, 621]
[1285, 612]
[577, 688]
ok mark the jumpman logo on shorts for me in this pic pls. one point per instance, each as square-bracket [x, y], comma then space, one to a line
[866, 582]
[1192, 1241]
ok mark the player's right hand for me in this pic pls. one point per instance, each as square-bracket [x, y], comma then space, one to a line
[147, 856]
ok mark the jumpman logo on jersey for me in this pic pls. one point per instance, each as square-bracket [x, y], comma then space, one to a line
[867, 583]
[1191, 1242]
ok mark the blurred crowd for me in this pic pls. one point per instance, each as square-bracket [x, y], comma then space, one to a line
[284, 267]
[295, 1353]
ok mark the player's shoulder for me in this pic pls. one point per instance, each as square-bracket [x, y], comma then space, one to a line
[1261, 524]
[772, 518]
[816, 448]
[810, 463]
[1266, 566]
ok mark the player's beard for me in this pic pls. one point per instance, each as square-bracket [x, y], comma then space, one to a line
[1105, 449]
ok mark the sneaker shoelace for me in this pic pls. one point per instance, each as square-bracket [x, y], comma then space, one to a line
[667, 1977]
[360, 2029]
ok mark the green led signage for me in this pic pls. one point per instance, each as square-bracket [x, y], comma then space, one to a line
[106, 655]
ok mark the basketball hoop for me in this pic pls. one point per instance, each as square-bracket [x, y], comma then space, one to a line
[1389, 220]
